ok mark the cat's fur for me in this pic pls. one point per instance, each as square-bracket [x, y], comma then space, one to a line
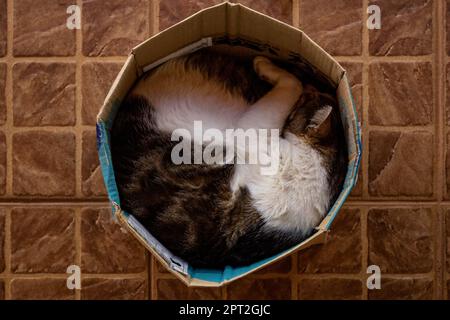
[216, 215]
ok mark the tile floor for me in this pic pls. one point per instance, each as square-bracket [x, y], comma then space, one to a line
[53, 209]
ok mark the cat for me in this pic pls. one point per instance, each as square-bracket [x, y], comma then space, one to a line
[213, 215]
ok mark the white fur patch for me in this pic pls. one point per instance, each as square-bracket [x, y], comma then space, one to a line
[297, 198]
[181, 97]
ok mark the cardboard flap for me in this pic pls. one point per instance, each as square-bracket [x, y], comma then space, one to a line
[125, 79]
[237, 21]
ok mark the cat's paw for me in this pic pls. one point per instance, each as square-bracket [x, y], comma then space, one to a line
[271, 73]
[266, 70]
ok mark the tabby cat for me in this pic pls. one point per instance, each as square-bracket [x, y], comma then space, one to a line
[213, 215]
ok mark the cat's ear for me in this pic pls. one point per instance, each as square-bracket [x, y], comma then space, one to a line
[320, 124]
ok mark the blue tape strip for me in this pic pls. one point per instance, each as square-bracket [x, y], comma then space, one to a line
[104, 154]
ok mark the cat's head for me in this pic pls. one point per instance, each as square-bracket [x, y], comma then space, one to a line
[316, 120]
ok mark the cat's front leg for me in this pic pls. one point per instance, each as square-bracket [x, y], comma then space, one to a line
[272, 110]
[267, 116]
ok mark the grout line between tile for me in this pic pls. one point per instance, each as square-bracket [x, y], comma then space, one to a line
[379, 59]
[364, 251]
[439, 107]
[9, 99]
[296, 13]
[365, 104]
[8, 138]
[425, 128]
[122, 59]
[363, 277]
[155, 7]
[6, 202]
[67, 59]
[143, 275]
[78, 247]
[148, 274]
[78, 105]
[392, 203]
[151, 265]
[365, 155]
[83, 275]
[224, 292]
[78, 148]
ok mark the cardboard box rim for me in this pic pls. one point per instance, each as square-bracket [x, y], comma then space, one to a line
[234, 21]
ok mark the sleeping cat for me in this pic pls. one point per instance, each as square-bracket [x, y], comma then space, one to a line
[213, 215]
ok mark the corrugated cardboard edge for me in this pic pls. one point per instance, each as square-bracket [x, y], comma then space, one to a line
[318, 238]
[235, 20]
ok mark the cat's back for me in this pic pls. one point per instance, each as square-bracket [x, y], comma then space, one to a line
[212, 88]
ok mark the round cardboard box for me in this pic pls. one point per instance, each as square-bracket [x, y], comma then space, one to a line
[240, 28]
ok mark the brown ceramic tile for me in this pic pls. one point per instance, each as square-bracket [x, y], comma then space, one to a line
[42, 240]
[113, 289]
[406, 28]
[113, 28]
[260, 289]
[282, 266]
[41, 289]
[92, 180]
[174, 289]
[403, 289]
[44, 94]
[281, 10]
[106, 247]
[3, 27]
[329, 289]
[2, 240]
[400, 94]
[336, 27]
[173, 11]
[41, 30]
[400, 164]
[49, 173]
[2, 93]
[2, 163]
[2, 290]
[341, 253]
[406, 244]
[97, 79]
